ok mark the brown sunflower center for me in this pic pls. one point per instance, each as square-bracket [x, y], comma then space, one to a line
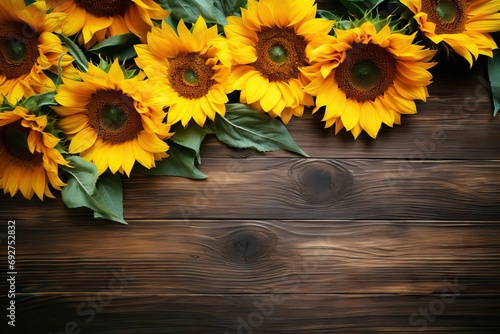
[14, 140]
[101, 8]
[449, 16]
[367, 71]
[18, 49]
[280, 53]
[190, 76]
[113, 116]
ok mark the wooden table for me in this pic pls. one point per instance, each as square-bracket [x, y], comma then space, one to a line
[394, 235]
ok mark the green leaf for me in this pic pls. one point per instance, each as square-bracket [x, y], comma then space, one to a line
[180, 162]
[119, 46]
[343, 25]
[75, 52]
[109, 191]
[172, 23]
[220, 16]
[327, 15]
[494, 74]
[191, 137]
[85, 188]
[6, 105]
[59, 71]
[360, 7]
[230, 7]
[114, 41]
[190, 10]
[244, 127]
[35, 102]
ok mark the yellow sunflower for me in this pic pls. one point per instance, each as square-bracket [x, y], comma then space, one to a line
[28, 49]
[268, 43]
[113, 121]
[462, 24]
[28, 158]
[99, 19]
[366, 77]
[193, 67]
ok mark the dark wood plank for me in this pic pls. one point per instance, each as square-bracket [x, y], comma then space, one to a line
[110, 311]
[275, 188]
[226, 257]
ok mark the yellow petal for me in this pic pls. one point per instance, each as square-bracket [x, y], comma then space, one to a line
[115, 72]
[350, 116]
[271, 97]
[256, 87]
[128, 158]
[369, 118]
[115, 157]
[83, 140]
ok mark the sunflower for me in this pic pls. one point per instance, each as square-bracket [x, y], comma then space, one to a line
[113, 121]
[28, 157]
[193, 67]
[99, 19]
[462, 24]
[28, 49]
[366, 77]
[268, 43]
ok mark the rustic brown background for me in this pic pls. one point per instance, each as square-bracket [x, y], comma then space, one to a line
[399, 234]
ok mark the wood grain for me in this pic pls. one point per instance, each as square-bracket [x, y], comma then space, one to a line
[268, 313]
[217, 257]
[294, 188]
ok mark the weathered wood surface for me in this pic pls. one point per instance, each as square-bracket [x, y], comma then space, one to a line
[261, 313]
[394, 235]
[297, 188]
[217, 257]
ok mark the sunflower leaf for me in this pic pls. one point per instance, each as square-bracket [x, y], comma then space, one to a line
[172, 22]
[180, 162]
[191, 137]
[6, 105]
[220, 16]
[360, 7]
[113, 41]
[190, 10]
[339, 22]
[244, 127]
[494, 74]
[75, 52]
[232, 7]
[119, 46]
[326, 14]
[225, 8]
[59, 71]
[35, 102]
[110, 193]
[102, 194]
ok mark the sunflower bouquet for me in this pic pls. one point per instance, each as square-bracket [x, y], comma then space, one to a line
[94, 91]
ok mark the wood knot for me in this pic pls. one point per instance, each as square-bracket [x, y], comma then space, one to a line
[248, 245]
[320, 182]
